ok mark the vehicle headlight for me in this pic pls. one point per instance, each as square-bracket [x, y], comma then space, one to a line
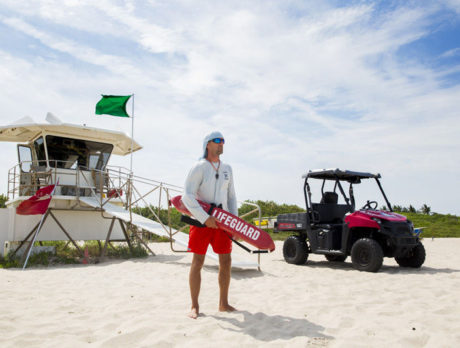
[377, 220]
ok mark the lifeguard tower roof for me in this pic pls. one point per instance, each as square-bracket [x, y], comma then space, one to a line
[26, 130]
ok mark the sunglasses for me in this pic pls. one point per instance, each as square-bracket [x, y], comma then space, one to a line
[218, 140]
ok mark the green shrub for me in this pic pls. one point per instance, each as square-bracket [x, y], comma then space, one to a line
[9, 262]
[123, 251]
[436, 225]
[68, 254]
[3, 200]
[268, 208]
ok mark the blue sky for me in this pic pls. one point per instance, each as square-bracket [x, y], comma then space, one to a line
[293, 85]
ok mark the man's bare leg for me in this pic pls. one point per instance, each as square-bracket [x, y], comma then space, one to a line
[225, 271]
[195, 283]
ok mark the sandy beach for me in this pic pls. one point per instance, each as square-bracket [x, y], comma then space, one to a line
[144, 303]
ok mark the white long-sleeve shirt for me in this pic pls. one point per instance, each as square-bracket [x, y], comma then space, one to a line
[201, 183]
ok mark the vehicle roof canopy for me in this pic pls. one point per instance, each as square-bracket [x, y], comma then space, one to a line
[26, 130]
[342, 175]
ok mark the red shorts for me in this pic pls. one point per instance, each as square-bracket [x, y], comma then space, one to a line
[201, 237]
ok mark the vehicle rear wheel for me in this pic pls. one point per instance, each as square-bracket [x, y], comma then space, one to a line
[415, 258]
[367, 255]
[336, 258]
[295, 250]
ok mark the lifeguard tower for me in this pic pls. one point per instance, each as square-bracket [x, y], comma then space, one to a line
[93, 200]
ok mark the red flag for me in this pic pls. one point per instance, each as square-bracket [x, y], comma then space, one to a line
[38, 203]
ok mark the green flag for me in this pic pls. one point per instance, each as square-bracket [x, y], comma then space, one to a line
[114, 105]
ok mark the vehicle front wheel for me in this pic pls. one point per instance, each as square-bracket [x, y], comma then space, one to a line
[336, 258]
[295, 250]
[367, 255]
[415, 258]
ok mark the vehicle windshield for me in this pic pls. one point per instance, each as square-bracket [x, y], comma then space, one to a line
[72, 153]
[368, 190]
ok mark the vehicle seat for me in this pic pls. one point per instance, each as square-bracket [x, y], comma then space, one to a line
[330, 213]
[330, 198]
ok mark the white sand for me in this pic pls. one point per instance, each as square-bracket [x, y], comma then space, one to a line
[143, 303]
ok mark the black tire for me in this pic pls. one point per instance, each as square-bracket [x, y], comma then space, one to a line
[415, 258]
[295, 250]
[367, 255]
[336, 258]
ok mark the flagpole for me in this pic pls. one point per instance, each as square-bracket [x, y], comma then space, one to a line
[132, 136]
[38, 230]
[131, 165]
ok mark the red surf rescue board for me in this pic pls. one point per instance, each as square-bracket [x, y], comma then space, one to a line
[232, 224]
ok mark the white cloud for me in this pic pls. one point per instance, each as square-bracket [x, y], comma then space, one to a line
[451, 53]
[86, 54]
[454, 5]
[324, 87]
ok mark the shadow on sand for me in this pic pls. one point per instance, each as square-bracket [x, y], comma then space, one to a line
[149, 259]
[267, 328]
[237, 273]
[391, 269]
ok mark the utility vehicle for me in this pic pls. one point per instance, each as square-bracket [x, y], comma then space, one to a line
[337, 230]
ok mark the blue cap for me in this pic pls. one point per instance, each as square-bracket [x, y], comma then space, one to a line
[208, 138]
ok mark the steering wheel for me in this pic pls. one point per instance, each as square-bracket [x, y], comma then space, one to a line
[372, 205]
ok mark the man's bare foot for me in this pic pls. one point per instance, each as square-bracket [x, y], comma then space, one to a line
[194, 313]
[226, 308]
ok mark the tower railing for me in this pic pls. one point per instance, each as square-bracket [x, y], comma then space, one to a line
[114, 184]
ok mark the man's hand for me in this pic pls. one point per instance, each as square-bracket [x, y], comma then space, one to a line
[211, 222]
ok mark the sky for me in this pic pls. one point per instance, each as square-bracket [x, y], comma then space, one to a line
[293, 85]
